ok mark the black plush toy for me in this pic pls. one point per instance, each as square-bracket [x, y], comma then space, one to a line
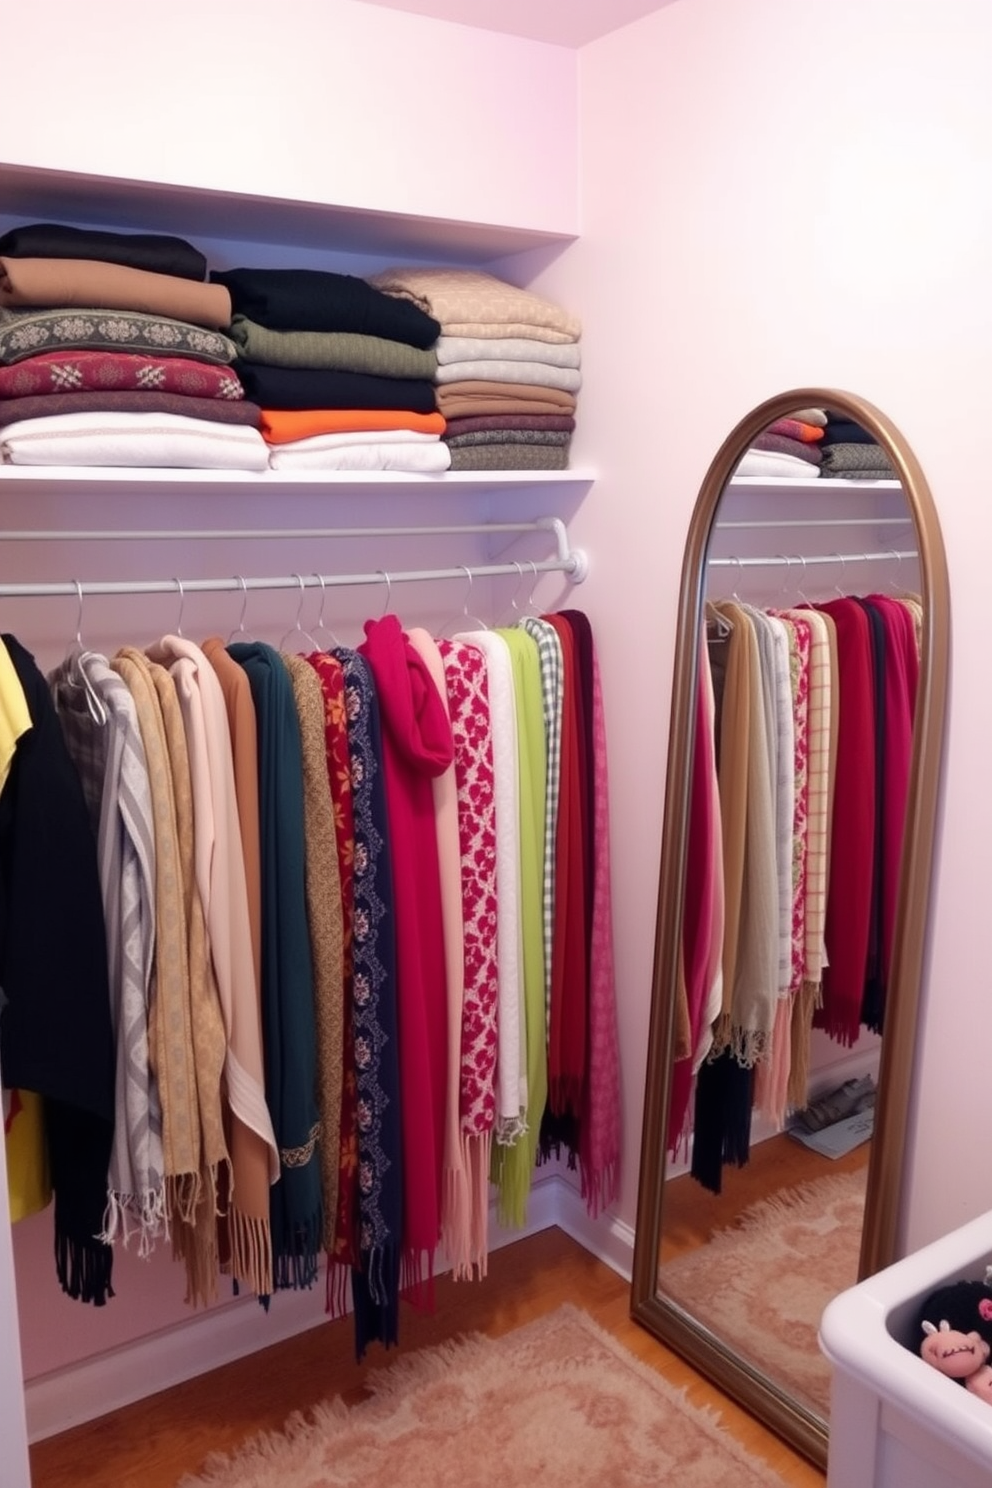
[965, 1305]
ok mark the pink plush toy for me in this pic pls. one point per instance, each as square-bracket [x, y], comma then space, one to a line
[961, 1356]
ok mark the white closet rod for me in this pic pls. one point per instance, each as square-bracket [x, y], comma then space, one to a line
[781, 560]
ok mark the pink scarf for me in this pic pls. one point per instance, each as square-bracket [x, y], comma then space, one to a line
[468, 699]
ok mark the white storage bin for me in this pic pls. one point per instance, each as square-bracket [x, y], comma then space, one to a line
[896, 1422]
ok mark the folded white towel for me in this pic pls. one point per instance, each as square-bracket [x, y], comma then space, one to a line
[144, 440]
[780, 466]
[314, 454]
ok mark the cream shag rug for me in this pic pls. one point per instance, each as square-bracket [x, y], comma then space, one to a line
[763, 1283]
[555, 1404]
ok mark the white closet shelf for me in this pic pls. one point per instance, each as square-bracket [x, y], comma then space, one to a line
[25, 478]
[782, 485]
[190, 211]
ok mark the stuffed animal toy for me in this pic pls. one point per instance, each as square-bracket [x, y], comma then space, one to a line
[966, 1306]
[956, 1354]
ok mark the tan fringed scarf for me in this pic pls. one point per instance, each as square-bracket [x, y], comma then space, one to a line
[186, 1030]
[326, 922]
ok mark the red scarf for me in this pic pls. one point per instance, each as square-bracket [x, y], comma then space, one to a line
[417, 746]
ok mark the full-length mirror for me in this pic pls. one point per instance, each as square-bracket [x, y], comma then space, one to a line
[803, 769]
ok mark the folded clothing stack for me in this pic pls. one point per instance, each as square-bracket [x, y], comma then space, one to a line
[508, 367]
[343, 372]
[789, 448]
[111, 353]
[851, 453]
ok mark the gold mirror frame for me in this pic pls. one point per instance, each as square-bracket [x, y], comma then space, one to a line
[703, 1349]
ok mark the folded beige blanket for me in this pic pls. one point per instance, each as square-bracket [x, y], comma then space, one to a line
[503, 349]
[470, 302]
[458, 399]
[332, 351]
[536, 374]
[106, 286]
[145, 440]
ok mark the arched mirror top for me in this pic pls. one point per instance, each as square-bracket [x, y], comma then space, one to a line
[769, 1399]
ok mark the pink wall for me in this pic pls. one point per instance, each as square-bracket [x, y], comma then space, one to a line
[311, 100]
[778, 194]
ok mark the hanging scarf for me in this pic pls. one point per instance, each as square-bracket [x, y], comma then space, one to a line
[567, 1041]
[416, 747]
[468, 701]
[110, 758]
[326, 926]
[852, 852]
[173, 1041]
[455, 1214]
[599, 1131]
[513, 1167]
[341, 1228]
[254, 1161]
[376, 1273]
[197, 1243]
[552, 688]
[287, 970]
[55, 1030]
[511, 1077]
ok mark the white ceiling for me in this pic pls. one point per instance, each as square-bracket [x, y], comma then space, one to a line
[569, 23]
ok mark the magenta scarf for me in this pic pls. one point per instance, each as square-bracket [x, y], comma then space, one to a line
[417, 747]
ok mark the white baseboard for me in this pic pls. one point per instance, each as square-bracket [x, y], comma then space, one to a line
[606, 1237]
[105, 1382]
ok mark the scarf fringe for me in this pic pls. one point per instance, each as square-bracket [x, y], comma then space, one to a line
[477, 1155]
[510, 1129]
[143, 1213]
[297, 1269]
[84, 1268]
[456, 1214]
[512, 1171]
[336, 1287]
[182, 1195]
[250, 1261]
[376, 1298]
[601, 1186]
[417, 1279]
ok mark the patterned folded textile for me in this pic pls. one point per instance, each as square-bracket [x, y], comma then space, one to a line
[778, 466]
[457, 399]
[106, 371]
[153, 251]
[335, 351]
[318, 300]
[508, 436]
[538, 374]
[470, 302]
[811, 453]
[65, 282]
[216, 410]
[24, 333]
[838, 459]
[142, 440]
[515, 349]
[313, 387]
[856, 473]
[430, 458]
[510, 457]
[845, 431]
[471, 425]
[281, 425]
[793, 428]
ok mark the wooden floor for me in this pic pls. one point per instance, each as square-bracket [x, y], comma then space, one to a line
[151, 1444]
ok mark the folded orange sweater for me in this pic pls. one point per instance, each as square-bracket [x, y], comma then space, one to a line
[282, 425]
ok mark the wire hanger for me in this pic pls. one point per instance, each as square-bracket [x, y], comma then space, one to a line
[841, 592]
[182, 604]
[321, 624]
[239, 632]
[94, 702]
[389, 590]
[296, 629]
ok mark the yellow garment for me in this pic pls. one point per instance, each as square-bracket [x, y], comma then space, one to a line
[29, 1187]
[15, 719]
